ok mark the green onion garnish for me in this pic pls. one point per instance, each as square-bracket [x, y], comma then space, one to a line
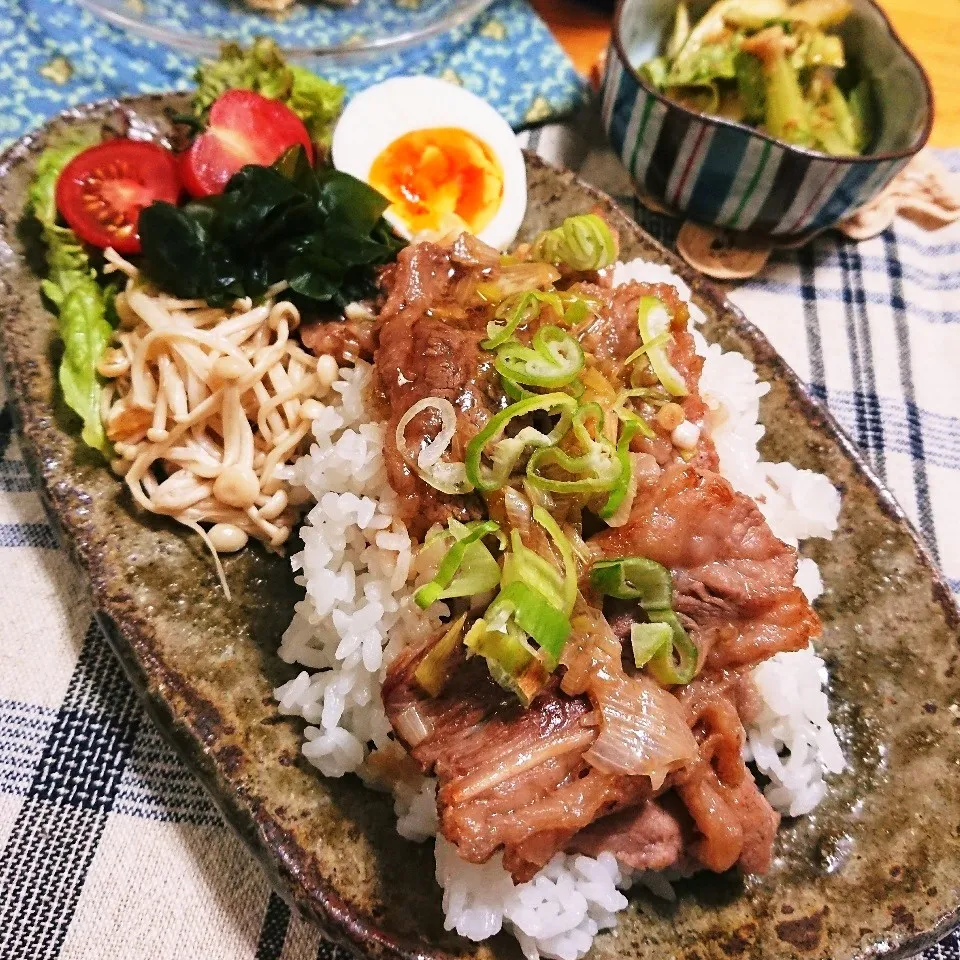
[651, 314]
[508, 317]
[553, 360]
[562, 543]
[678, 663]
[467, 568]
[505, 453]
[583, 242]
[648, 640]
[436, 668]
[619, 492]
[650, 584]
[512, 662]
[535, 616]
[523, 565]
[594, 469]
[634, 578]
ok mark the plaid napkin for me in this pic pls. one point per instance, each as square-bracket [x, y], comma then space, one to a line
[111, 851]
[55, 54]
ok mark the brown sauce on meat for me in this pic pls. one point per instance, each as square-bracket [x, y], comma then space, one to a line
[429, 346]
[346, 340]
[520, 781]
[733, 579]
[613, 336]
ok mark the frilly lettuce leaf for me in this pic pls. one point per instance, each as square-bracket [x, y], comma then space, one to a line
[80, 302]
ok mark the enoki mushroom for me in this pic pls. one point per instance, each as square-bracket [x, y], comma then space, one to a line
[207, 408]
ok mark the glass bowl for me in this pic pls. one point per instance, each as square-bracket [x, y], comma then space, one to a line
[306, 28]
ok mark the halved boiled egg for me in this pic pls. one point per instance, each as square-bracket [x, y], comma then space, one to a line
[445, 159]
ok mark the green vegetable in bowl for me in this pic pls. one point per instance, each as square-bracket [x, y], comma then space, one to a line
[773, 65]
[81, 303]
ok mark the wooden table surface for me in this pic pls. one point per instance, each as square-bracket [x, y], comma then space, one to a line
[931, 29]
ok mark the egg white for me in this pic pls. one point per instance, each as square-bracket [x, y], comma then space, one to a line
[380, 114]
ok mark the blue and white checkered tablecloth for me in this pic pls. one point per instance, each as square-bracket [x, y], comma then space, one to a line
[111, 851]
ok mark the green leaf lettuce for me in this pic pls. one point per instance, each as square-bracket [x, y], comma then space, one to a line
[81, 303]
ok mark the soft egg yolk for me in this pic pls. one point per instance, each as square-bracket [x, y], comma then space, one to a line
[440, 179]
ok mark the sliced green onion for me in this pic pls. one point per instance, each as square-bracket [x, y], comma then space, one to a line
[648, 640]
[519, 311]
[577, 311]
[505, 453]
[650, 583]
[652, 395]
[583, 242]
[595, 469]
[627, 415]
[634, 578]
[512, 662]
[661, 340]
[467, 568]
[508, 317]
[553, 360]
[650, 313]
[537, 617]
[535, 601]
[509, 648]
[514, 391]
[678, 664]
[617, 494]
[436, 667]
[564, 547]
[523, 565]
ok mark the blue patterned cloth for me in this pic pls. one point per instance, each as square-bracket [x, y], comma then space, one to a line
[55, 54]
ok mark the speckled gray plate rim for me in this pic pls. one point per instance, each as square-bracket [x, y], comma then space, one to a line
[875, 871]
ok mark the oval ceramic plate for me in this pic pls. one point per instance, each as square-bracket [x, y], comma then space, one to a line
[875, 871]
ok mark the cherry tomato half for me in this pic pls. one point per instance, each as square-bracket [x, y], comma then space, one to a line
[102, 190]
[244, 127]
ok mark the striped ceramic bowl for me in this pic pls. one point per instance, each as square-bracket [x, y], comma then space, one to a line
[724, 173]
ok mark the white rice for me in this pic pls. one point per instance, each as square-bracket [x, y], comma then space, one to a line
[556, 914]
[356, 566]
[792, 741]
[359, 570]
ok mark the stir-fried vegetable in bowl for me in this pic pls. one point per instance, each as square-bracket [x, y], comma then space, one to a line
[777, 66]
[765, 117]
